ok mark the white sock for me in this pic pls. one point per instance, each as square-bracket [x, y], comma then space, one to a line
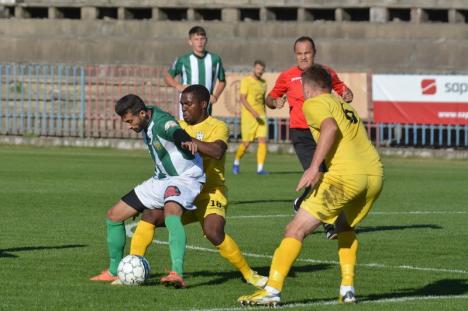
[272, 290]
[236, 162]
[346, 288]
[259, 167]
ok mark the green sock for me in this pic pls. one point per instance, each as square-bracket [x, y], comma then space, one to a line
[115, 243]
[177, 241]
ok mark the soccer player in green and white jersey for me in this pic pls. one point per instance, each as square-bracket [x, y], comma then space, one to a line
[198, 67]
[177, 180]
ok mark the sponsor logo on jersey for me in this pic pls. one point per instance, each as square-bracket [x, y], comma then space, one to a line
[171, 191]
[169, 124]
[200, 135]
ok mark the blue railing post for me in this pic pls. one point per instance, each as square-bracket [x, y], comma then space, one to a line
[29, 114]
[82, 102]
[7, 98]
[1, 96]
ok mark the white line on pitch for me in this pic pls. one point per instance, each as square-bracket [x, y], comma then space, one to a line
[334, 302]
[129, 232]
[370, 214]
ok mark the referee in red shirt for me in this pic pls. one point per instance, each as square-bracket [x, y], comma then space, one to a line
[288, 87]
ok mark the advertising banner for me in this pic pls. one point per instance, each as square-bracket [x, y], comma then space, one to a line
[420, 99]
[229, 103]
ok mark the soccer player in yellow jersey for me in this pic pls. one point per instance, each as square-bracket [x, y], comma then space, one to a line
[253, 117]
[210, 136]
[343, 195]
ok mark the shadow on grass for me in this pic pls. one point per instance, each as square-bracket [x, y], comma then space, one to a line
[440, 288]
[445, 287]
[217, 277]
[6, 253]
[392, 228]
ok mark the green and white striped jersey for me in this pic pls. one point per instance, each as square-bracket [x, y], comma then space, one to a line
[198, 70]
[169, 159]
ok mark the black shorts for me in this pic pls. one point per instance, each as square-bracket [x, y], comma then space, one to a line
[132, 199]
[304, 146]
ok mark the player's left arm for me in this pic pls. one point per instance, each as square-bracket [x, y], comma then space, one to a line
[214, 150]
[221, 84]
[328, 131]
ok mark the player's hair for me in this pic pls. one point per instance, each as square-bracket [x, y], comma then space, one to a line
[305, 39]
[199, 91]
[259, 62]
[319, 76]
[129, 103]
[197, 30]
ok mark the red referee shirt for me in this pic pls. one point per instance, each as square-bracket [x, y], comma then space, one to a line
[289, 83]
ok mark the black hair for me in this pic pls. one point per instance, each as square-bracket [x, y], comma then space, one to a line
[319, 76]
[129, 103]
[305, 39]
[197, 30]
[259, 62]
[199, 91]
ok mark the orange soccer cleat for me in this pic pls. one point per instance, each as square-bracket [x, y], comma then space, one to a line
[173, 279]
[104, 276]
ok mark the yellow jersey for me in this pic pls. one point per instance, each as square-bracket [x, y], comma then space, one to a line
[353, 152]
[255, 90]
[210, 130]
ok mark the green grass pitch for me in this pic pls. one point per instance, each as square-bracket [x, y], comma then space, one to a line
[413, 246]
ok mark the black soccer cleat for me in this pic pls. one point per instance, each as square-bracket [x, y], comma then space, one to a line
[330, 231]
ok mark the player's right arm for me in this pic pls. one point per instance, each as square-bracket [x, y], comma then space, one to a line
[172, 73]
[277, 97]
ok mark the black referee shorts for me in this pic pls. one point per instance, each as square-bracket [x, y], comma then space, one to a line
[304, 146]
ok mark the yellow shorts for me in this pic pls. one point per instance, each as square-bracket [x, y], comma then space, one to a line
[352, 194]
[208, 202]
[251, 128]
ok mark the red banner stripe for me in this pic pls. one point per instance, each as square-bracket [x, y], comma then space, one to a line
[421, 112]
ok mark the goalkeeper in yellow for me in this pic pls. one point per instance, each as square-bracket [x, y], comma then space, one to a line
[210, 136]
[253, 118]
[343, 195]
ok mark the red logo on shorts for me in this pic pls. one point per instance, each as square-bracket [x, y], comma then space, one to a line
[428, 86]
[171, 191]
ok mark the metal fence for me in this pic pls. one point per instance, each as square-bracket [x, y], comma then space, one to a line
[78, 101]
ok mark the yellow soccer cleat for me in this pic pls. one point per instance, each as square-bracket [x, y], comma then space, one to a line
[257, 280]
[260, 298]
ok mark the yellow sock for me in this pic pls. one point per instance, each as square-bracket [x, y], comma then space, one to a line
[283, 259]
[347, 250]
[142, 238]
[261, 154]
[240, 152]
[231, 252]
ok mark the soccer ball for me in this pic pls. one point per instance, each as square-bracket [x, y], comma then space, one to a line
[133, 270]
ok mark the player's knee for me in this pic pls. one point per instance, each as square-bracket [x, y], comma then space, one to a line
[214, 233]
[113, 215]
[153, 216]
[295, 232]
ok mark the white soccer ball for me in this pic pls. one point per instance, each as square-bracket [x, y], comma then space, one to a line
[133, 270]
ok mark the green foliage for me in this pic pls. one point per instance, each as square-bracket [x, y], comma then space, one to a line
[52, 236]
